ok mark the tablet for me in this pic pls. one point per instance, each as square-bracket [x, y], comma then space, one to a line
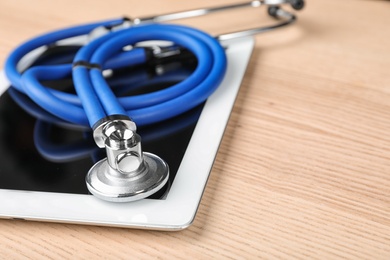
[43, 163]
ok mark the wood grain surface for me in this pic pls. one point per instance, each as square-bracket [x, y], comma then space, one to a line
[304, 168]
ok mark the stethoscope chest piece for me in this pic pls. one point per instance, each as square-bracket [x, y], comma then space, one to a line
[127, 174]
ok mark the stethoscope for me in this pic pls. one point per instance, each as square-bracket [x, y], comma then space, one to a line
[128, 173]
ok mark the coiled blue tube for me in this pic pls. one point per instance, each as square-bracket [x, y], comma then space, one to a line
[95, 99]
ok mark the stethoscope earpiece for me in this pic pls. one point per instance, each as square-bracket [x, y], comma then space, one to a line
[297, 4]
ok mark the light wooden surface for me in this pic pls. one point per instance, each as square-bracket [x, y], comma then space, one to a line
[304, 168]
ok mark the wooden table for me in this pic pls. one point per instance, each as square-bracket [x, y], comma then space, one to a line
[304, 168]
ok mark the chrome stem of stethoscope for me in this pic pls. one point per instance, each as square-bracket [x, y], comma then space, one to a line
[204, 11]
[274, 11]
[128, 173]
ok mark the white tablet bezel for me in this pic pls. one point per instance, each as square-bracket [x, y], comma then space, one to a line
[177, 211]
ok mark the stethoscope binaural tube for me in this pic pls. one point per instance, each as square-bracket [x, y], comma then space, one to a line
[157, 106]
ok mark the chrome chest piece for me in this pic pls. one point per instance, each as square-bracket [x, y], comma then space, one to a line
[127, 174]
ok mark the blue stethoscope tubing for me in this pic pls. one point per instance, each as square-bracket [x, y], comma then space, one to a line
[95, 99]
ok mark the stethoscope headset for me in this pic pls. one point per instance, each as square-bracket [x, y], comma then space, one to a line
[128, 173]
